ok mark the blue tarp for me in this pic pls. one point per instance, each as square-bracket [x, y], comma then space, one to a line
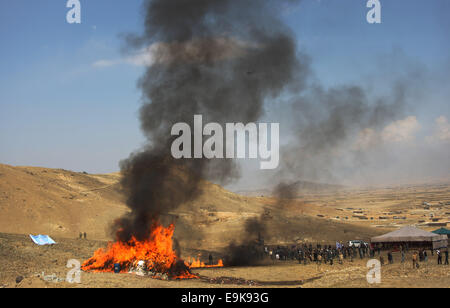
[42, 239]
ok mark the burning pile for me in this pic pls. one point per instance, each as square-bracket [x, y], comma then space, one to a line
[156, 252]
[221, 59]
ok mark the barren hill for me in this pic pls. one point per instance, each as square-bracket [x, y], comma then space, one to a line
[58, 202]
[63, 203]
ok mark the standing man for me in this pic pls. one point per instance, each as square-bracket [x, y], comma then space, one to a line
[210, 259]
[319, 261]
[446, 257]
[390, 258]
[414, 259]
[438, 252]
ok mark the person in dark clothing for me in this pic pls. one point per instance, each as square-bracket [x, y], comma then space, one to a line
[414, 260]
[390, 258]
[84, 235]
[438, 252]
[210, 258]
[81, 235]
[446, 257]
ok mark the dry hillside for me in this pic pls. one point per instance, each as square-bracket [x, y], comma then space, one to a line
[63, 203]
[57, 202]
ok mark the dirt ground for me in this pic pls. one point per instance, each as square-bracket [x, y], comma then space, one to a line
[22, 258]
[62, 203]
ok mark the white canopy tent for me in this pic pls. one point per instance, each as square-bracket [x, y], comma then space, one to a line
[412, 236]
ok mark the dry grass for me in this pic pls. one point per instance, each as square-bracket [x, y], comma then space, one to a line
[20, 257]
[62, 203]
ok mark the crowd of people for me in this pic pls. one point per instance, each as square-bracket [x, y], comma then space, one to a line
[330, 254]
[422, 255]
[327, 254]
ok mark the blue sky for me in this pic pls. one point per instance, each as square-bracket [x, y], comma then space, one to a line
[59, 109]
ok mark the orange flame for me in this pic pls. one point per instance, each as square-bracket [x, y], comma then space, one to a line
[157, 253]
[196, 263]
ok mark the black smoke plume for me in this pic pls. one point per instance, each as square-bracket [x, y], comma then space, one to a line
[218, 58]
[223, 59]
[250, 249]
[330, 129]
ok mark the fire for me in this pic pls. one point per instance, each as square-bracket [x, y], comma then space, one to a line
[196, 263]
[157, 253]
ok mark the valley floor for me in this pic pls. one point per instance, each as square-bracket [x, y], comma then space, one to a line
[19, 257]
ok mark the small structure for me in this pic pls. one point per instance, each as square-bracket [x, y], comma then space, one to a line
[442, 231]
[411, 237]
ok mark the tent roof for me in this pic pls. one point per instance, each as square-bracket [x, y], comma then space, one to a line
[407, 234]
[441, 231]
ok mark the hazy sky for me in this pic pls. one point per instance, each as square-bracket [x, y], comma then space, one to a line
[68, 96]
